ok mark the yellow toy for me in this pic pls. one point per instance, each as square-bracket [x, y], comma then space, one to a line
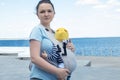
[62, 35]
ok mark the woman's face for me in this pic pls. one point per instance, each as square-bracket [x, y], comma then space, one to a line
[45, 13]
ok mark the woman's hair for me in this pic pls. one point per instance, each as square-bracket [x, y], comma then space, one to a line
[44, 1]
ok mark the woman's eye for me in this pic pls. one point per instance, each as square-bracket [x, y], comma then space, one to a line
[42, 11]
[49, 11]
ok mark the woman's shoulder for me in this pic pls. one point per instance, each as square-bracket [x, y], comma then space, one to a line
[37, 33]
[39, 30]
[37, 27]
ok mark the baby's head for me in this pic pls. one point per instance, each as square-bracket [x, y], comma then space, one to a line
[61, 34]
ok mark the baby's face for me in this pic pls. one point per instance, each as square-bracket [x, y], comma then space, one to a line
[61, 34]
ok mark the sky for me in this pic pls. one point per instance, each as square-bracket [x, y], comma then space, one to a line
[82, 18]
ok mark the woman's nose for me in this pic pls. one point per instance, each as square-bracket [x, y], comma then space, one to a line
[46, 13]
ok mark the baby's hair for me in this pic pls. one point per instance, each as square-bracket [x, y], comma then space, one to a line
[44, 1]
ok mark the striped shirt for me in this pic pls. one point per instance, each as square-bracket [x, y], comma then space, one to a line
[55, 57]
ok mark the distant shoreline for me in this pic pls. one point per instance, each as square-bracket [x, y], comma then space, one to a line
[71, 38]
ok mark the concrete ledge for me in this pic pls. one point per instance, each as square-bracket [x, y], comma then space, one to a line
[11, 50]
[25, 54]
[21, 52]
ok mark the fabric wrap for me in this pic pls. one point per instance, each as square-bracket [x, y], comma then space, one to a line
[70, 61]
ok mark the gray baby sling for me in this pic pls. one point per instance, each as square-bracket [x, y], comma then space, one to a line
[69, 59]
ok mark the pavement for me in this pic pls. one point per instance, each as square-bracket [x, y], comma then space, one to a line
[102, 68]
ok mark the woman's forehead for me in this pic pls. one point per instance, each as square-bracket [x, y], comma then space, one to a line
[45, 6]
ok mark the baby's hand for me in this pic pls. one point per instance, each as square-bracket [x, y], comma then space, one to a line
[44, 55]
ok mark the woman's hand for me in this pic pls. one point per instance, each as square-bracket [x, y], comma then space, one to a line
[62, 73]
[70, 46]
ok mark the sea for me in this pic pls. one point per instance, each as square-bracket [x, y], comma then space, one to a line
[100, 46]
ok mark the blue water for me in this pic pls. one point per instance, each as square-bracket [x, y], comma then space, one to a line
[104, 46]
[14, 43]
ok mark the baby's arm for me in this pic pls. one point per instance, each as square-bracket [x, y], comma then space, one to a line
[45, 55]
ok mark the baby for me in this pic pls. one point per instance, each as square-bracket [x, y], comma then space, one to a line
[54, 56]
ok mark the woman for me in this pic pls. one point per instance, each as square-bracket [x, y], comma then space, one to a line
[40, 42]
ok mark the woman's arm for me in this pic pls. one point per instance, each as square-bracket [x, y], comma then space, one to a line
[43, 64]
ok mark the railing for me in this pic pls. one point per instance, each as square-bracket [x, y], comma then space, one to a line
[100, 51]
